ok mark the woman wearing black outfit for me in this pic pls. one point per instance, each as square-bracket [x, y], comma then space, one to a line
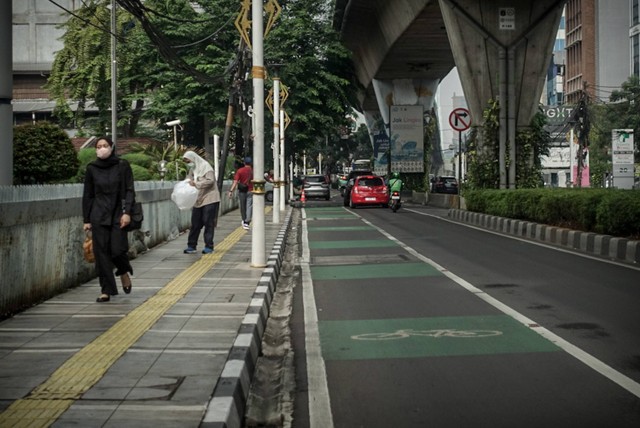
[105, 214]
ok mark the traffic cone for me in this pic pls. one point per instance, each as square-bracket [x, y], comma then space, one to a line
[303, 198]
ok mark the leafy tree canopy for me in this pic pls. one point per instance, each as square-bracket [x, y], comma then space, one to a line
[167, 46]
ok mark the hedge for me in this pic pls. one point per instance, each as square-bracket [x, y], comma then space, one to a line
[613, 212]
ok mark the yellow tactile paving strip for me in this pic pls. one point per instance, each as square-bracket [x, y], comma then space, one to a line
[84, 369]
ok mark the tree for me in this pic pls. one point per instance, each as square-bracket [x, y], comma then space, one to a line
[178, 62]
[623, 112]
[316, 68]
[43, 153]
[531, 143]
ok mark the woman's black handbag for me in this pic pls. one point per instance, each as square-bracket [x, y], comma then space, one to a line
[136, 217]
[136, 208]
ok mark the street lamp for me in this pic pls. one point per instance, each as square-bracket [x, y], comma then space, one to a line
[175, 123]
[162, 167]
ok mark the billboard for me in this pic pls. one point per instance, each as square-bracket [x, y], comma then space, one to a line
[407, 138]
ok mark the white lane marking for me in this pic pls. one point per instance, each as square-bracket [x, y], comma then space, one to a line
[529, 241]
[592, 362]
[319, 402]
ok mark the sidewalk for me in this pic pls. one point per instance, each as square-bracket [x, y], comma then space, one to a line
[151, 358]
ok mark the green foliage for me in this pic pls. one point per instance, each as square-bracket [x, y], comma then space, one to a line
[531, 143]
[153, 89]
[483, 168]
[141, 173]
[483, 162]
[608, 211]
[622, 113]
[317, 69]
[42, 154]
[141, 159]
[85, 157]
[148, 156]
[618, 214]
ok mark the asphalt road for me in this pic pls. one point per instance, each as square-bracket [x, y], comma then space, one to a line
[425, 322]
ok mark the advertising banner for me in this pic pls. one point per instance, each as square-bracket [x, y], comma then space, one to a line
[407, 138]
[381, 153]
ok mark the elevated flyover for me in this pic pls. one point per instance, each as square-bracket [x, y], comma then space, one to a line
[402, 49]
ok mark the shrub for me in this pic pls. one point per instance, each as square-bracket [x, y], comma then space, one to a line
[85, 157]
[42, 153]
[140, 173]
[609, 211]
[141, 159]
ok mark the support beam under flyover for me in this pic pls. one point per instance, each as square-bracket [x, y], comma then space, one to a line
[502, 50]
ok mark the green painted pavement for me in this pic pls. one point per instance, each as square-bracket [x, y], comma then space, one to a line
[428, 337]
[338, 228]
[314, 209]
[379, 270]
[355, 243]
[322, 213]
[326, 215]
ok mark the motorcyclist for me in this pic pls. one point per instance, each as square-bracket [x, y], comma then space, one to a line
[395, 184]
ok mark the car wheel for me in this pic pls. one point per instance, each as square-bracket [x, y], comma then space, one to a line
[269, 196]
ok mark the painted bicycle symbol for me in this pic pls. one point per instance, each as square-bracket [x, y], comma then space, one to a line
[403, 334]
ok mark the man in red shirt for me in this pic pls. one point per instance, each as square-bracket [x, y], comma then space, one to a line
[242, 182]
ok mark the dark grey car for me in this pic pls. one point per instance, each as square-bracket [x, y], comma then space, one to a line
[317, 186]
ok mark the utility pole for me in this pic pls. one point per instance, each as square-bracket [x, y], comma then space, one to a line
[282, 160]
[114, 77]
[583, 126]
[6, 93]
[258, 245]
[276, 147]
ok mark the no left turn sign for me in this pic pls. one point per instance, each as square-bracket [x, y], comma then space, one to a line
[460, 119]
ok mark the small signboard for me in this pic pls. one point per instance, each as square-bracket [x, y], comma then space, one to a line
[507, 18]
[460, 119]
[622, 147]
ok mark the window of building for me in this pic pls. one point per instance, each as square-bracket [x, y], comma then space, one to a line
[634, 12]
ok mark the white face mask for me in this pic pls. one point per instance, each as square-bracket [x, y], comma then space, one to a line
[103, 152]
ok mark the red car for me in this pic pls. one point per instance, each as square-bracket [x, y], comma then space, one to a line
[369, 190]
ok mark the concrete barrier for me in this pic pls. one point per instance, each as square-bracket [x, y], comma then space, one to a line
[614, 248]
[41, 237]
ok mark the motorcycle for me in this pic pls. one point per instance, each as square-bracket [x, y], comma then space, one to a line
[395, 203]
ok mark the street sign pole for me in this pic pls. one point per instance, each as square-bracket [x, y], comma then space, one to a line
[460, 120]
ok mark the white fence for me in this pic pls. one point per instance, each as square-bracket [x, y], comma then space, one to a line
[41, 237]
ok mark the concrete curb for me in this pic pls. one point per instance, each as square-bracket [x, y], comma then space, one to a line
[226, 408]
[618, 249]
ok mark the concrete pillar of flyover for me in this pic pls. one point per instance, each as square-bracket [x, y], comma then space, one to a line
[6, 94]
[502, 50]
[390, 92]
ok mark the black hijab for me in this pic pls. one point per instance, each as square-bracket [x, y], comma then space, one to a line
[113, 159]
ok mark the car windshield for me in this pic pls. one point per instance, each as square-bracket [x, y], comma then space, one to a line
[315, 179]
[370, 182]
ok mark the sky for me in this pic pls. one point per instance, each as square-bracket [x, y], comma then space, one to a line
[449, 87]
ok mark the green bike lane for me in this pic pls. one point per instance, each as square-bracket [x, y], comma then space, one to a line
[404, 345]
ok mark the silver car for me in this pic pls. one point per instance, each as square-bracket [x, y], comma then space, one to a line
[317, 186]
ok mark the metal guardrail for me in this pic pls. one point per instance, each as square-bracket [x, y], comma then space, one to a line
[41, 237]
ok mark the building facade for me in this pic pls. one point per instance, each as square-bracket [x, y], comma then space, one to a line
[36, 38]
[598, 47]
